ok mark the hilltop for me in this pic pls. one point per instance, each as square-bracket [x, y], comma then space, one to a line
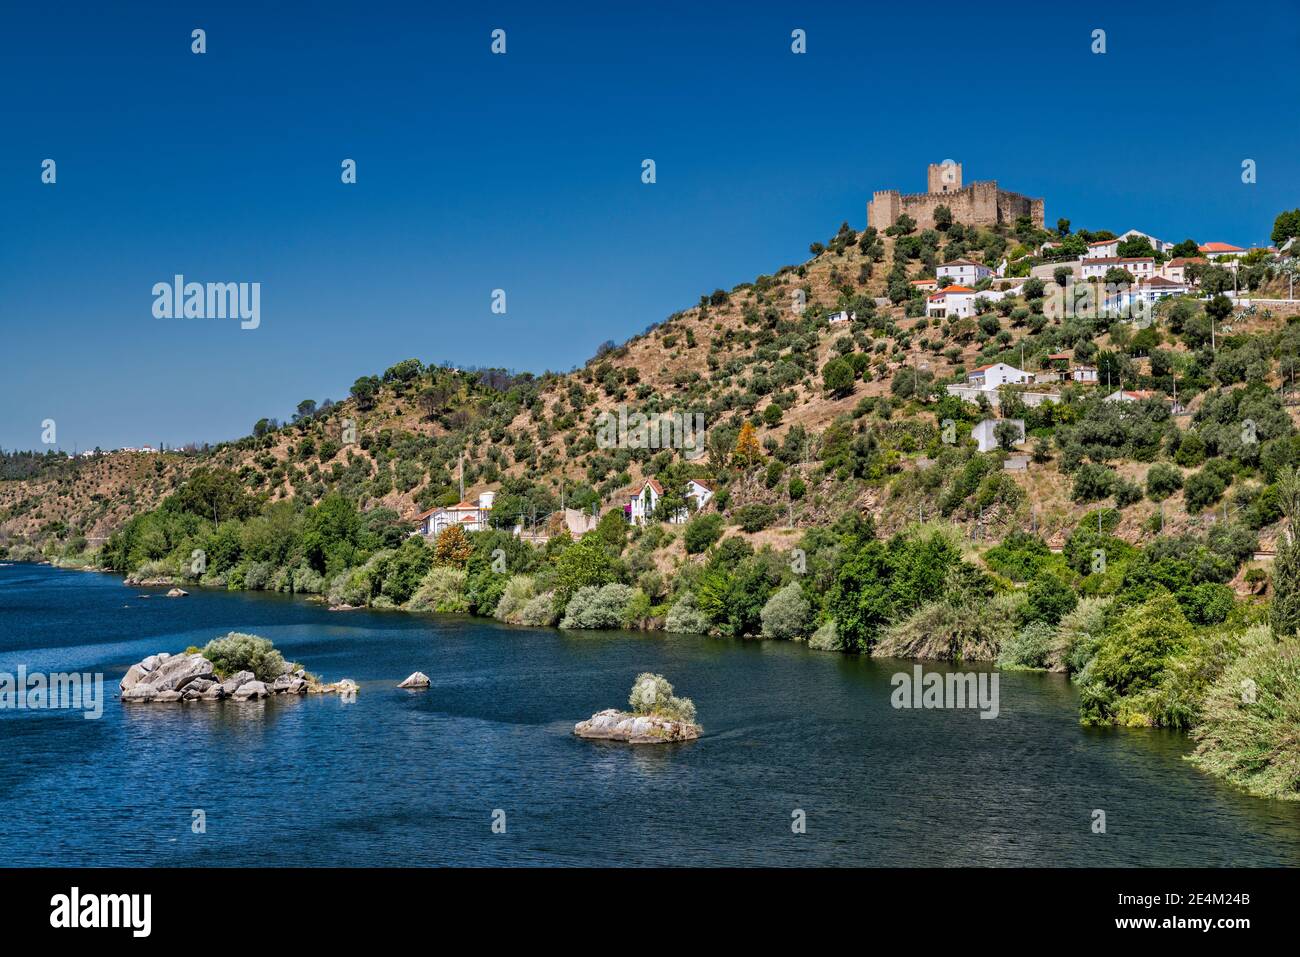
[756, 353]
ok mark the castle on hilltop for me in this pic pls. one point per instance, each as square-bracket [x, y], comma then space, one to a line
[979, 204]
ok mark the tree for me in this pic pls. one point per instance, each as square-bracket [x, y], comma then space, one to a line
[1062, 228]
[1006, 433]
[364, 391]
[306, 409]
[787, 613]
[1187, 249]
[1219, 308]
[585, 563]
[331, 534]
[837, 376]
[747, 452]
[1286, 226]
[452, 547]
[942, 218]
[702, 531]
[215, 494]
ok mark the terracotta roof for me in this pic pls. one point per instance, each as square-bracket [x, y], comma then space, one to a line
[962, 262]
[1162, 281]
[1187, 261]
[947, 289]
[703, 485]
[1059, 355]
[1104, 242]
[423, 515]
[462, 507]
[659, 489]
[1220, 248]
[924, 282]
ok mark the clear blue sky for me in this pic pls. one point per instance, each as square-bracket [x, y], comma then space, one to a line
[522, 172]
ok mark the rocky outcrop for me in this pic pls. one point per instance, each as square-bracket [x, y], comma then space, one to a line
[164, 677]
[418, 680]
[149, 582]
[614, 725]
[177, 593]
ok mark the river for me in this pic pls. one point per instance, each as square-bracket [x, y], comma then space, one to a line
[419, 778]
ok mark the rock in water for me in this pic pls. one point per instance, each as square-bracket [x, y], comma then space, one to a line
[173, 674]
[614, 725]
[417, 680]
[177, 593]
[250, 689]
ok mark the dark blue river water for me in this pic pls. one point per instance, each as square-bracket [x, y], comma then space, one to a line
[401, 777]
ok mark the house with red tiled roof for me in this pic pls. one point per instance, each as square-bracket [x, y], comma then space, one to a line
[1220, 250]
[472, 517]
[1102, 249]
[1139, 267]
[640, 509]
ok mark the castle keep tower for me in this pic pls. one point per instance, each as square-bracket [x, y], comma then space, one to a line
[944, 177]
[979, 204]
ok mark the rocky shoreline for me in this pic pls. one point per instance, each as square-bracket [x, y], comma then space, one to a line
[165, 678]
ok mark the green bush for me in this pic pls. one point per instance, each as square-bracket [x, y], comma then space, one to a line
[1121, 683]
[754, 517]
[1162, 481]
[243, 652]
[443, 589]
[786, 614]
[1049, 598]
[1028, 649]
[1247, 733]
[652, 694]
[826, 638]
[598, 607]
[540, 611]
[520, 590]
[702, 531]
[686, 618]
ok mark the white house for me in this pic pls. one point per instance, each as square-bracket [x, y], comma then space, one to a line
[1102, 249]
[641, 507]
[472, 517]
[1139, 267]
[1159, 245]
[841, 316]
[985, 437]
[956, 302]
[963, 272]
[1084, 373]
[996, 374]
[925, 285]
[1150, 291]
[987, 379]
